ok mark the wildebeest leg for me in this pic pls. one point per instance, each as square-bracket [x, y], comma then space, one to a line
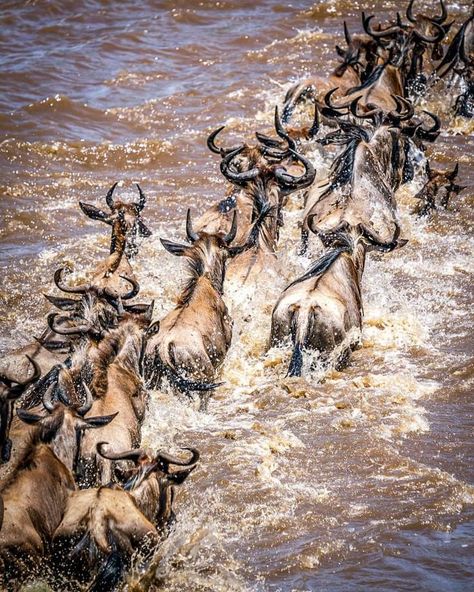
[204, 401]
[298, 336]
[5, 421]
[343, 359]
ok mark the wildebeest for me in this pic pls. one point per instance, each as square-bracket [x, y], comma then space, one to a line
[255, 171]
[361, 185]
[34, 494]
[404, 46]
[113, 371]
[192, 340]
[106, 281]
[104, 526]
[10, 391]
[261, 174]
[127, 225]
[357, 63]
[439, 187]
[322, 309]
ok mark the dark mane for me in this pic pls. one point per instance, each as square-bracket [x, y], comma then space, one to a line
[325, 262]
[195, 269]
[373, 77]
[267, 234]
[258, 192]
[342, 168]
[109, 348]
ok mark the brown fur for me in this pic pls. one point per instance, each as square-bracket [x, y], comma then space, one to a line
[194, 337]
[118, 387]
[319, 311]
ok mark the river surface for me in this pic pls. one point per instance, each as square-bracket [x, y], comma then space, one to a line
[363, 481]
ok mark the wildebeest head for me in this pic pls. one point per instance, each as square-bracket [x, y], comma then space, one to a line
[439, 188]
[107, 292]
[125, 219]
[208, 253]
[158, 472]
[405, 44]
[243, 164]
[63, 424]
[10, 391]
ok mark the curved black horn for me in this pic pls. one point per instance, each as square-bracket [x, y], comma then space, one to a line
[36, 372]
[142, 200]
[337, 109]
[404, 111]
[370, 114]
[16, 391]
[289, 182]
[212, 145]
[436, 123]
[109, 197]
[128, 295]
[192, 236]
[75, 330]
[69, 289]
[48, 399]
[174, 460]
[435, 39]
[409, 12]
[230, 236]
[134, 455]
[443, 16]
[237, 178]
[86, 406]
[280, 130]
[347, 35]
[378, 34]
[267, 141]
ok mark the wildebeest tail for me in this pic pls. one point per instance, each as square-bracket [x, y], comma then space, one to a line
[155, 368]
[296, 362]
[298, 335]
[187, 385]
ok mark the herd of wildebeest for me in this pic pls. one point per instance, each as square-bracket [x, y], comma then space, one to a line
[78, 495]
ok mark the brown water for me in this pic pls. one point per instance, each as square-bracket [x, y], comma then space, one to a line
[361, 482]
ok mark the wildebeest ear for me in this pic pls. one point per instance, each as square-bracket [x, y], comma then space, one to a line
[143, 230]
[27, 417]
[137, 308]
[152, 329]
[62, 303]
[94, 213]
[149, 312]
[174, 248]
[96, 422]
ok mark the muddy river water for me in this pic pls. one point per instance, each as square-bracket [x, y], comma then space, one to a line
[362, 481]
